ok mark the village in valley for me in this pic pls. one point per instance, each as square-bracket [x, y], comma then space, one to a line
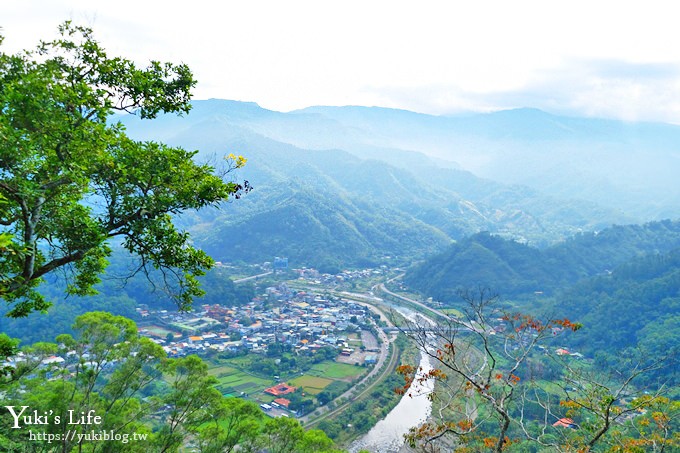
[292, 348]
[308, 345]
[304, 345]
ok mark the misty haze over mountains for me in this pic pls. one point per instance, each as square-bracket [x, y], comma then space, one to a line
[354, 184]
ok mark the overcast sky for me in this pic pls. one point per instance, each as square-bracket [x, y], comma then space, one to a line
[615, 59]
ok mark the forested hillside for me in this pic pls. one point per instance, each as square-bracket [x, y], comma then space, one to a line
[119, 293]
[515, 269]
[637, 304]
[622, 284]
[624, 165]
[353, 205]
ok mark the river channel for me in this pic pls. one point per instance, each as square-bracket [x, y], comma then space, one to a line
[387, 436]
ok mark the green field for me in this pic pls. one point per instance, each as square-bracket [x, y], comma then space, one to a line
[231, 380]
[451, 311]
[158, 331]
[311, 384]
[221, 370]
[240, 362]
[334, 370]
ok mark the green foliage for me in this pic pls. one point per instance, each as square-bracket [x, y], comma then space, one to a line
[220, 289]
[8, 346]
[191, 399]
[116, 295]
[516, 269]
[318, 229]
[285, 435]
[636, 306]
[622, 284]
[128, 382]
[234, 422]
[85, 382]
[494, 390]
[71, 180]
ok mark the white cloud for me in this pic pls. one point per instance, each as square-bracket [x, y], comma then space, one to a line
[602, 58]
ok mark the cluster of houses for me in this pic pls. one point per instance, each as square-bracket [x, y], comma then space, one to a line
[303, 320]
[314, 276]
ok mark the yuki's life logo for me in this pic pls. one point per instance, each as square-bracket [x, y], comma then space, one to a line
[31, 418]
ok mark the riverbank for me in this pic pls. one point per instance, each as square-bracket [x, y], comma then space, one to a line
[387, 436]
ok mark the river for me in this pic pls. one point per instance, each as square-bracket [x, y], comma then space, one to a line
[387, 436]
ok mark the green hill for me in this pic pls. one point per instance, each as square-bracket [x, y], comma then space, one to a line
[354, 204]
[514, 269]
[311, 229]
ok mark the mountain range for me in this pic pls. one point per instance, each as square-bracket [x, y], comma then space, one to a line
[350, 186]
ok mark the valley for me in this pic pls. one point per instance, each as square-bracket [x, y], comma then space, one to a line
[351, 242]
[444, 228]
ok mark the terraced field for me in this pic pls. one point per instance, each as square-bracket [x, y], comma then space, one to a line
[233, 382]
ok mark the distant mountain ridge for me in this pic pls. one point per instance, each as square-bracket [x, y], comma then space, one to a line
[562, 156]
[622, 165]
[344, 159]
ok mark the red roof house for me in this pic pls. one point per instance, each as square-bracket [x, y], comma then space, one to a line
[282, 401]
[280, 389]
[565, 423]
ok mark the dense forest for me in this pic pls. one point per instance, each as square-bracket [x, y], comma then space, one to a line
[637, 305]
[517, 269]
[622, 284]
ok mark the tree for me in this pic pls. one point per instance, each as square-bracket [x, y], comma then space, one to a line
[234, 422]
[105, 366]
[128, 382]
[192, 399]
[492, 390]
[282, 434]
[609, 408]
[315, 441]
[71, 181]
[286, 435]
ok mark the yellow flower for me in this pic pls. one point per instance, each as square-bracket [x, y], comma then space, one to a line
[238, 161]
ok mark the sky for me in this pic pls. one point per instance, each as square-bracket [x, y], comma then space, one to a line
[611, 59]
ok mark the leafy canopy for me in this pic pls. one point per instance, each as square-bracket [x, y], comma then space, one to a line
[71, 181]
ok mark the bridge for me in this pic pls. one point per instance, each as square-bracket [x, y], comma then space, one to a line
[460, 327]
